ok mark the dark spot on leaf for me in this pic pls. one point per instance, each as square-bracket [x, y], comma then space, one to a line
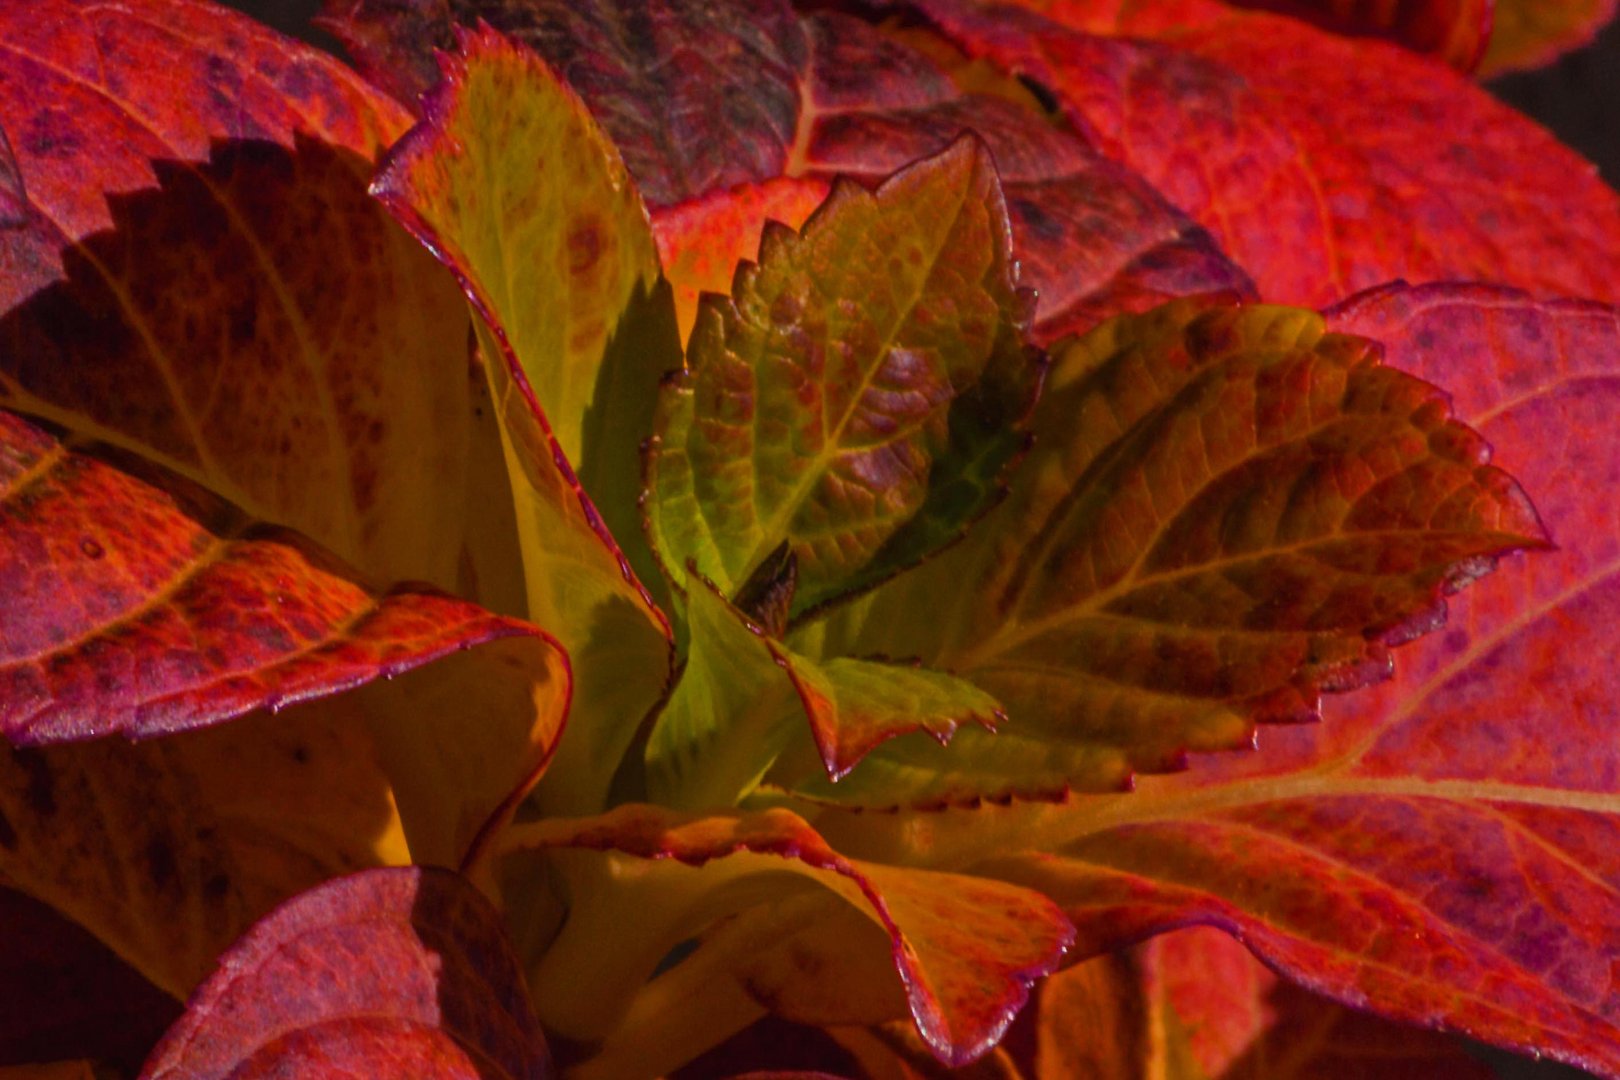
[8, 835]
[584, 245]
[41, 793]
[161, 866]
[300, 754]
[217, 887]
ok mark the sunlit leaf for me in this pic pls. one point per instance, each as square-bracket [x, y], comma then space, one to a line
[201, 278]
[399, 972]
[1441, 848]
[821, 96]
[553, 259]
[858, 395]
[1227, 512]
[1276, 137]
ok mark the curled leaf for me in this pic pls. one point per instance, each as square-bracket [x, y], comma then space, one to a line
[558, 263]
[966, 949]
[402, 971]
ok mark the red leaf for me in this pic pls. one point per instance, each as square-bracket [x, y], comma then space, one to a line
[64, 994]
[1280, 140]
[1241, 1023]
[397, 972]
[831, 95]
[202, 278]
[1454, 31]
[141, 609]
[13, 210]
[1443, 849]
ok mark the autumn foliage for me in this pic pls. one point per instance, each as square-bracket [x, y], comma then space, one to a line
[607, 538]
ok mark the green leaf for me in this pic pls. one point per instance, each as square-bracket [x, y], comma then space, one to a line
[743, 699]
[857, 396]
[511, 183]
[1228, 511]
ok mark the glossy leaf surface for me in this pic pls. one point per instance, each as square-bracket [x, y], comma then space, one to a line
[1274, 135]
[857, 397]
[1227, 512]
[401, 972]
[551, 259]
[1440, 848]
[966, 949]
[202, 279]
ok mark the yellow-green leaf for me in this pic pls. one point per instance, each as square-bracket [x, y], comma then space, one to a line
[511, 183]
[858, 395]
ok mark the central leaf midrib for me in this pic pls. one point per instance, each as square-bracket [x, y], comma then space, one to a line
[812, 474]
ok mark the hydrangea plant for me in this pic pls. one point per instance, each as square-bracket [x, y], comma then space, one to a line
[625, 537]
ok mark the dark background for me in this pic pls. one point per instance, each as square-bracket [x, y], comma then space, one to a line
[1578, 98]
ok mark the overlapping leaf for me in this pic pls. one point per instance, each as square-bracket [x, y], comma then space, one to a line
[402, 972]
[858, 396]
[833, 96]
[202, 279]
[966, 949]
[510, 183]
[744, 698]
[1530, 33]
[1441, 848]
[66, 995]
[145, 606]
[141, 611]
[1453, 31]
[1227, 512]
[1275, 136]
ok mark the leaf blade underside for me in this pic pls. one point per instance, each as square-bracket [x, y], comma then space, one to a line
[966, 950]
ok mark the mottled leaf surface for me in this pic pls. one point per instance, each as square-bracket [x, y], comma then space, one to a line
[858, 395]
[399, 972]
[830, 95]
[167, 850]
[1227, 512]
[966, 949]
[701, 241]
[140, 609]
[201, 278]
[1530, 33]
[1275, 136]
[552, 257]
[1441, 848]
